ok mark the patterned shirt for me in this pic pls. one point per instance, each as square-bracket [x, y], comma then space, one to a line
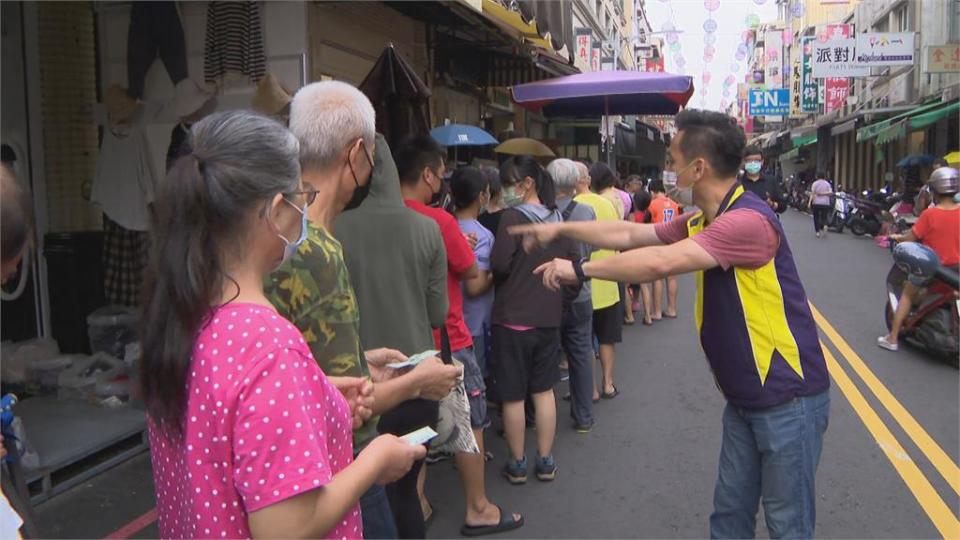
[313, 291]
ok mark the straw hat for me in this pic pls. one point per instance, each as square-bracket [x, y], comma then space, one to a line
[120, 107]
[190, 97]
[271, 97]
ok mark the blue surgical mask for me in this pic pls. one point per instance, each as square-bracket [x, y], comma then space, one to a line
[290, 248]
[510, 196]
[752, 167]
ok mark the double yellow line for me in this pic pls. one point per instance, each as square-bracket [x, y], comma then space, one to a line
[943, 518]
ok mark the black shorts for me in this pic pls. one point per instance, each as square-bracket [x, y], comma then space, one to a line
[608, 324]
[528, 362]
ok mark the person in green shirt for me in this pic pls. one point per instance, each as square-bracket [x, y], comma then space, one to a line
[334, 123]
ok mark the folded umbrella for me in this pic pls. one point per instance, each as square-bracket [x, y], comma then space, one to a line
[523, 146]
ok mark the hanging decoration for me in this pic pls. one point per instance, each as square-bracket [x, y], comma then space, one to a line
[711, 5]
[710, 39]
[672, 38]
[759, 2]
[675, 47]
[753, 20]
[710, 26]
[734, 67]
[797, 9]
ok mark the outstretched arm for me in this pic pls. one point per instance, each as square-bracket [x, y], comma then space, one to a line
[618, 235]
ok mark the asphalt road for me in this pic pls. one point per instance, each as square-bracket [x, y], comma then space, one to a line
[889, 466]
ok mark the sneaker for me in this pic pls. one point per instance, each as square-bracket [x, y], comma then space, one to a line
[583, 429]
[884, 343]
[515, 471]
[546, 468]
[818, 234]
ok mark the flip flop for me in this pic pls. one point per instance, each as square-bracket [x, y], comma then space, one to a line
[611, 395]
[629, 323]
[507, 523]
[428, 520]
[674, 316]
[648, 323]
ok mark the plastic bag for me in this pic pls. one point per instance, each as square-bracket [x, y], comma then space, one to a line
[111, 328]
[454, 432]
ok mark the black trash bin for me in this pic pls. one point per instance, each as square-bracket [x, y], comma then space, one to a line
[75, 280]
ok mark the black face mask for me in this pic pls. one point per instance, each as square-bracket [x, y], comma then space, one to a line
[359, 192]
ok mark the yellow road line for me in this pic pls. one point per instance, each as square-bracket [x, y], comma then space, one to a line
[938, 511]
[941, 461]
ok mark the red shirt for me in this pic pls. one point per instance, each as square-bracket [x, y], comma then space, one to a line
[940, 230]
[459, 259]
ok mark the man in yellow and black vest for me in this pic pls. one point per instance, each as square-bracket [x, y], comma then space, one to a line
[752, 318]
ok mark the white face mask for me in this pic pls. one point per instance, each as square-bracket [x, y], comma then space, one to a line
[680, 195]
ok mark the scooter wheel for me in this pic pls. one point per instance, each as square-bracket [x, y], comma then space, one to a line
[858, 228]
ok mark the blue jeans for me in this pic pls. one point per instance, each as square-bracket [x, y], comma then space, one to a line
[377, 517]
[770, 454]
[576, 337]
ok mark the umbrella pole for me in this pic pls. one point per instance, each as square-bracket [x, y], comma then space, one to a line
[606, 120]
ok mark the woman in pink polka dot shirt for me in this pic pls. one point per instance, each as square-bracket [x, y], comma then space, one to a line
[248, 437]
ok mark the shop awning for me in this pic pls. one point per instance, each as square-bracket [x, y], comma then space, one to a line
[923, 120]
[845, 127]
[795, 153]
[914, 122]
[875, 129]
[804, 140]
[512, 22]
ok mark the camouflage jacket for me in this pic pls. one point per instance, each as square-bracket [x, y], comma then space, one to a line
[313, 291]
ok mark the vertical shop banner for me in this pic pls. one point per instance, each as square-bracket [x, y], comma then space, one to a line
[595, 55]
[835, 88]
[808, 85]
[796, 86]
[584, 46]
[773, 58]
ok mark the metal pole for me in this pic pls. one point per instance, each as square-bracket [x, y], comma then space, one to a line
[606, 121]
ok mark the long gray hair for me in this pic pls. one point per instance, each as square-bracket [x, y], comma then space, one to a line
[237, 161]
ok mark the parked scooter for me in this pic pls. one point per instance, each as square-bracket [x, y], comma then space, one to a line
[933, 323]
[865, 216]
[842, 208]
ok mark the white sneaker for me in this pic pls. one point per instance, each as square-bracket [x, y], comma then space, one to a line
[818, 234]
[884, 343]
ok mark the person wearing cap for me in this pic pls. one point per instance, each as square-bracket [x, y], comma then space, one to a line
[939, 229]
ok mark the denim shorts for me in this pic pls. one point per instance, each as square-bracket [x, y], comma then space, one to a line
[475, 387]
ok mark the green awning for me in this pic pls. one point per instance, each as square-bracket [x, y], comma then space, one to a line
[804, 140]
[871, 131]
[892, 133]
[923, 120]
[792, 154]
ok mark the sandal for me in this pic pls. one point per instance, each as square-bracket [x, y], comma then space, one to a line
[507, 523]
[611, 395]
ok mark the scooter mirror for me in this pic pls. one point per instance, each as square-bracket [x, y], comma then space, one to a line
[917, 260]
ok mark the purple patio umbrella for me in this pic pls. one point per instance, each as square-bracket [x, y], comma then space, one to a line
[606, 92]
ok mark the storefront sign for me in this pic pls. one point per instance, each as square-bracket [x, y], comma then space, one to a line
[606, 64]
[767, 102]
[595, 55]
[808, 85]
[835, 94]
[584, 46]
[773, 56]
[835, 58]
[943, 59]
[885, 49]
[795, 89]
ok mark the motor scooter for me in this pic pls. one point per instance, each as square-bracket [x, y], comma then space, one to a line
[842, 207]
[865, 216]
[933, 323]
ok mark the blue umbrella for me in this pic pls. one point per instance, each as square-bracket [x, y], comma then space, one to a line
[916, 160]
[461, 135]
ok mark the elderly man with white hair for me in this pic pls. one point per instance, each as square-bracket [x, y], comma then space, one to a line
[576, 327]
[335, 124]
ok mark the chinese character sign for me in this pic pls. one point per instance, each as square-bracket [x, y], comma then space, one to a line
[773, 56]
[943, 59]
[595, 56]
[808, 85]
[835, 58]
[584, 46]
[835, 94]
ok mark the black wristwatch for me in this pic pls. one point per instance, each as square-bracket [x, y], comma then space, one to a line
[578, 269]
